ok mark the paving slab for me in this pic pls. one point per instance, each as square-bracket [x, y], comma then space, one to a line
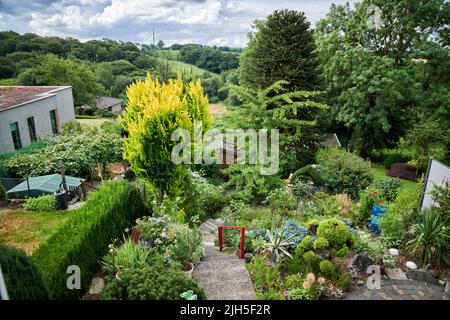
[400, 290]
[222, 276]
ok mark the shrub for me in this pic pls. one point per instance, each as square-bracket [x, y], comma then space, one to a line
[188, 248]
[341, 253]
[300, 294]
[42, 203]
[368, 198]
[151, 283]
[400, 215]
[293, 281]
[281, 201]
[311, 259]
[265, 275]
[248, 184]
[23, 279]
[210, 197]
[306, 244]
[343, 172]
[85, 236]
[346, 283]
[326, 267]
[395, 158]
[213, 204]
[154, 231]
[71, 127]
[389, 187]
[312, 225]
[111, 127]
[302, 190]
[321, 243]
[3, 194]
[336, 232]
[441, 198]
[327, 205]
[403, 171]
[79, 153]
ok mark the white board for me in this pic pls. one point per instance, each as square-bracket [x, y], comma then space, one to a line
[437, 174]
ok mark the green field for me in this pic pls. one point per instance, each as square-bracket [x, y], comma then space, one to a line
[178, 66]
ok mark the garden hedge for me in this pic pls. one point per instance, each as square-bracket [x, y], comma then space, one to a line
[22, 277]
[84, 238]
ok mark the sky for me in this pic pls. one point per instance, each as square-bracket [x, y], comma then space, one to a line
[210, 22]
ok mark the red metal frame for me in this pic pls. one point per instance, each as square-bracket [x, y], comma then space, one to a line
[242, 228]
[135, 234]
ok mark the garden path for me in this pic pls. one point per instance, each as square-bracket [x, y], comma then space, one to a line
[222, 276]
[400, 290]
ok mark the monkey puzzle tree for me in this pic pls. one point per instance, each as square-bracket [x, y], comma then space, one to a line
[154, 112]
[281, 48]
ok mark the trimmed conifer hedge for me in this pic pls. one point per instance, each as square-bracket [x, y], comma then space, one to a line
[22, 277]
[84, 238]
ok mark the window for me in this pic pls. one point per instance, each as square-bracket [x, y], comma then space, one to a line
[31, 129]
[15, 135]
[54, 121]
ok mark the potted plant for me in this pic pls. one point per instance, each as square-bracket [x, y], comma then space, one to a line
[447, 286]
[188, 269]
[187, 250]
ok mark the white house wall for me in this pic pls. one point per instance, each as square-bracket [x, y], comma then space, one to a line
[62, 100]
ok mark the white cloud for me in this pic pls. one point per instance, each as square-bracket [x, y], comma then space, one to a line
[236, 41]
[183, 12]
[214, 22]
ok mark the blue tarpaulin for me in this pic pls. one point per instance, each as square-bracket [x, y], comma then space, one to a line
[377, 212]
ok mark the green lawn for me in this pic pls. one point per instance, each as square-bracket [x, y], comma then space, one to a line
[26, 229]
[94, 122]
[379, 172]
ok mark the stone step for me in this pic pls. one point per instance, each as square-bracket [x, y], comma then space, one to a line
[396, 274]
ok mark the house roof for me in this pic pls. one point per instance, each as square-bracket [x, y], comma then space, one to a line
[106, 102]
[14, 96]
[330, 140]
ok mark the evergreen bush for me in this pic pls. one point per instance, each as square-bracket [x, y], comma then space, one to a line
[151, 283]
[23, 279]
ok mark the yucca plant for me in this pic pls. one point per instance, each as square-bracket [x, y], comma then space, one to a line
[278, 244]
[126, 256]
[430, 237]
